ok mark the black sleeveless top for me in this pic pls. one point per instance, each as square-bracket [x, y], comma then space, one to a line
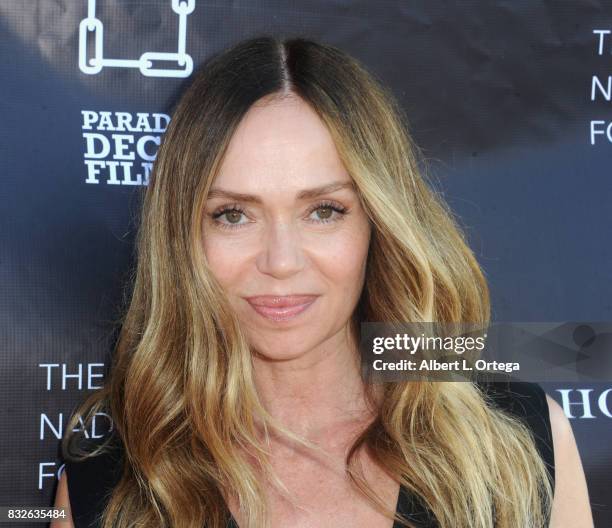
[91, 481]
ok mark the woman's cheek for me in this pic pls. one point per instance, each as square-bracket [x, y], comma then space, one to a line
[224, 258]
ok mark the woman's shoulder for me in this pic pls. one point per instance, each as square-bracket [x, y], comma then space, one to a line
[529, 402]
[92, 479]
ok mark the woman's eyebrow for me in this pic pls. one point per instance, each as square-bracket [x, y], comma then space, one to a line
[305, 194]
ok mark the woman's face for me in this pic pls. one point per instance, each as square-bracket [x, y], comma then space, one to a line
[297, 229]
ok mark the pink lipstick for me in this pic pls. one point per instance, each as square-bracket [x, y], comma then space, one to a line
[281, 308]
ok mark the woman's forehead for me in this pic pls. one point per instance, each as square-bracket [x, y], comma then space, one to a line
[283, 142]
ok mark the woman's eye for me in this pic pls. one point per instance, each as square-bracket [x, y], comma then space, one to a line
[325, 213]
[231, 214]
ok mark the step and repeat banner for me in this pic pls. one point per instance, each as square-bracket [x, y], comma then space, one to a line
[510, 102]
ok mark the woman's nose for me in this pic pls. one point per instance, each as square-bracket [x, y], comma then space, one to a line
[281, 254]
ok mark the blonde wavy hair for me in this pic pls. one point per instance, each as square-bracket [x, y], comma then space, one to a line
[180, 388]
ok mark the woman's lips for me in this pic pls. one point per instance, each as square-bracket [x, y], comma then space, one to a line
[281, 308]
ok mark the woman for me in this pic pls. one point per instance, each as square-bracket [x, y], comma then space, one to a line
[285, 207]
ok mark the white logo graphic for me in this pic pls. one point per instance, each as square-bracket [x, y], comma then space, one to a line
[121, 147]
[95, 64]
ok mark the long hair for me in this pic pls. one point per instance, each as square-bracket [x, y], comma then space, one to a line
[180, 389]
